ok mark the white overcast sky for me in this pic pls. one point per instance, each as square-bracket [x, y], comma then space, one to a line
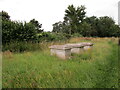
[47, 12]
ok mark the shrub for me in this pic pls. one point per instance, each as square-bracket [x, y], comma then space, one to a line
[48, 36]
[77, 35]
[17, 31]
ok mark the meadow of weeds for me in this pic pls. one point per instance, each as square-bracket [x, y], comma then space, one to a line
[96, 68]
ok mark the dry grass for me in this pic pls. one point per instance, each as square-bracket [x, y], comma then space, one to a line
[8, 54]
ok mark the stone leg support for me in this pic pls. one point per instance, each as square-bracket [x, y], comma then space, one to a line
[87, 48]
[64, 54]
[77, 50]
[61, 53]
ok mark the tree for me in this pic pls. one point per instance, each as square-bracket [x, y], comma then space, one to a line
[17, 31]
[7, 29]
[74, 17]
[104, 25]
[86, 29]
[114, 30]
[93, 21]
[4, 15]
[24, 32]
[58, 27]
[61, 27]
[37, 25]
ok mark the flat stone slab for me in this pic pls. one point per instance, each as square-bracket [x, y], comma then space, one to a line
[79, 44]
[79, 47]
[86, 44]
[61, 47]
[75, 48]
[76, 45]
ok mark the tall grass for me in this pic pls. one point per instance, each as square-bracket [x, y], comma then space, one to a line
[94, 69]
[119, 66]
[23, 46]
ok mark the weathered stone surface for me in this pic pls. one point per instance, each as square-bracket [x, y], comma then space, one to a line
[59, 47]
[76, 45]
[79, 47]
[87, 47]
[64, 54]
[86, 44]
[64, 51]
[75, 48]
[61, 51]
[53, 51]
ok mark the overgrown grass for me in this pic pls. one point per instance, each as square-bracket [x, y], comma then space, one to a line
[97, 68]
[18, 47]
[119, 66]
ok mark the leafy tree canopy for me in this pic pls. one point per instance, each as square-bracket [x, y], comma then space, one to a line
[37, 25]
[4, 15]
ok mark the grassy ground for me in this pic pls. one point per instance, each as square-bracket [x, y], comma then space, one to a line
[97, 68]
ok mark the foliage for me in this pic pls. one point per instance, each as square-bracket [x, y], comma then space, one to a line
[61, 27]
[75, 24]
[85, 29]
[74, 16]
[93, 22]
[91, 26]
[114, 30]
[38, 26]
[16, 31]
[4, 15]
[103, 26]
[48, 36]
[76, 35]
[72, 19]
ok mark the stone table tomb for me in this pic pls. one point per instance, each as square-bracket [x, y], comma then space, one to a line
[61, 51]
[64, 51]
